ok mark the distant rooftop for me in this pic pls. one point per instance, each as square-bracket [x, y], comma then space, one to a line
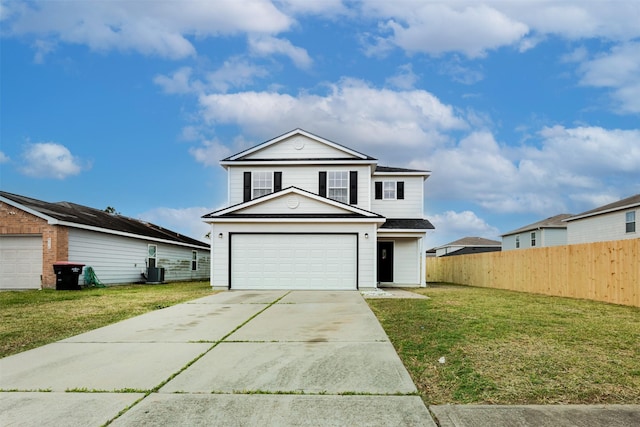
[629, 202]
[551, 222]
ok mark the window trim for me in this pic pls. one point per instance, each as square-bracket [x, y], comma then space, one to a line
[194, 260]
[394, 184]
[253, 182]
[533, 239]
[630, 222]
[345, 187]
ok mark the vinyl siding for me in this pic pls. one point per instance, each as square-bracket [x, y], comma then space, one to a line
[366, 251]
[304, 177]
[554, 236]
[602, 228]
[119, 259]
[297, 147]
[409, 207]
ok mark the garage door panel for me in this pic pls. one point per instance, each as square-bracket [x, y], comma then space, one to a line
[293, 261]
[20, 262]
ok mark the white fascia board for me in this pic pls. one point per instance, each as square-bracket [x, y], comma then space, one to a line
[399, 232]
[50, 220]
[358, 220]
[425, 173]
[299, 192]
[290, 134]
[619, 208]
[130, 235]
[294, 162]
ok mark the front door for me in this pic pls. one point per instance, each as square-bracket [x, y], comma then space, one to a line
[385, 261]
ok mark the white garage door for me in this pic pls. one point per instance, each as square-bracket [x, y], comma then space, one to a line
[293, 261]
[20, 262]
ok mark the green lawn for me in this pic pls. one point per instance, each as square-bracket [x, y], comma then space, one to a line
[30, 319]
[507, 347]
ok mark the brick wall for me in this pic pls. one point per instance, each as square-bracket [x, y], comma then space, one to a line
[55, 238]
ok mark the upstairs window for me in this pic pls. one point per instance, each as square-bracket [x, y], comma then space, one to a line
[389, 190]
[262, 183]
[533, 239]
[257, 184]
[338, 185]
[630, 222]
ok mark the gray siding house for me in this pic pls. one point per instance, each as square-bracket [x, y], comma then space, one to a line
[614, 221]
[551, 231]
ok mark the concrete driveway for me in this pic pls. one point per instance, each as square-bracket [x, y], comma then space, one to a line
[314, 358]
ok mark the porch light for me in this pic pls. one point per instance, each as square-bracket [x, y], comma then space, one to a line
[366, 235]
[219, 235]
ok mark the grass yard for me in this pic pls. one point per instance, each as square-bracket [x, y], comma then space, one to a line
[503, 347]
[29, 319]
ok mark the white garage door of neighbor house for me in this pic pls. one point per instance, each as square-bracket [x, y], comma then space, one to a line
[20, 262]
[294, 261]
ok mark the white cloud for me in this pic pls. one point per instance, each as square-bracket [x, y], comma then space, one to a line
[235, 72]
[405, 78]
[351, 111]
[209, 153]
[268, 46]
[179, 82]
[161, 30]
[618, 70]
[4, 158]
[451, 226]
[187, 221]
[435, 28]
[565, 169]
[50, 160]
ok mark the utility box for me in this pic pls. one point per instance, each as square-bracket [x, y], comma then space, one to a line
[67, 275]
[155, 275]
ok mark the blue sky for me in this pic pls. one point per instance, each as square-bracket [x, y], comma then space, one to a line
[521, 109]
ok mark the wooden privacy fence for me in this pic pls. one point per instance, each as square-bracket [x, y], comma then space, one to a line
[602, 271]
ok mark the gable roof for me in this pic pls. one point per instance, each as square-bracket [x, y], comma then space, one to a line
[628, 203]
[339, 209]
[469, 250]
[407, 224]
[78, 216]
[349, 154]
[556, 221]
[472, 241]
[388, 170]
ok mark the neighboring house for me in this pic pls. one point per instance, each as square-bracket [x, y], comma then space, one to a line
[548, 232]
[615, 221]
[468, 245]
[307, 213]
[34, 234]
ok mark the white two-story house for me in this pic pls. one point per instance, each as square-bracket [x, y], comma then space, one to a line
[307, 213]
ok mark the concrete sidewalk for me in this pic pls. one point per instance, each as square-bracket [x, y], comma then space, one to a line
[234, 358]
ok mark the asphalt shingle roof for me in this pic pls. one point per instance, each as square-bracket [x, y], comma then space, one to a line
[84, 215]
[556, 221]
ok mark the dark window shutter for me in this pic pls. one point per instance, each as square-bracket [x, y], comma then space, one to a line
[400, 190]
[322, 184]
[378, 191]
[353, 187]
[247, 187]
[277, 181]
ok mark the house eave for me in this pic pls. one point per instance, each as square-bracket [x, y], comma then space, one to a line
[129, 235]
[323, 220]
[294, 162]
[604, 212]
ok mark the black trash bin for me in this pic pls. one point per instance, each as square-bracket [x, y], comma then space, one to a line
[67, 275]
